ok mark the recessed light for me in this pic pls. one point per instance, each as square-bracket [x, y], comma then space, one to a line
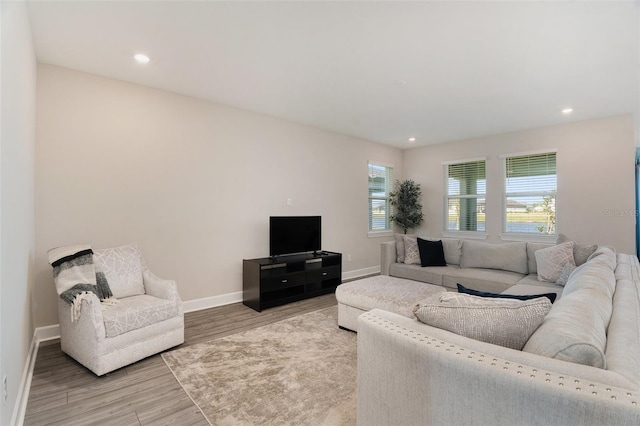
[412, 139]
[143, 59]
[567, 110]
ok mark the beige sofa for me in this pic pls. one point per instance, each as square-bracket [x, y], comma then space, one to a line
[580, 367]
[482, 266]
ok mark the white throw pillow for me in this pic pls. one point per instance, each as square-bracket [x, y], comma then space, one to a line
[122, 268]
[551, 260]
[411, 251]
[504, 322]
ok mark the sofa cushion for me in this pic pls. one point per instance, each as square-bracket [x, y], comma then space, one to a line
[580, 252]
[551, 260]
[531, 285]
[605, 255]
[478, 278]
[431, 275]
[504, 322]
[122, 268]
[575, 329]
[132, 313]
[411, 251]
[507, 257]
[462, 289]
[431, 253]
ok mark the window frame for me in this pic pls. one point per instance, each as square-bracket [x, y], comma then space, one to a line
[527, 236]
[461, 233]
[389, 169]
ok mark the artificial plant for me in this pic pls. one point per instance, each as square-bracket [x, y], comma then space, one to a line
[405, 198]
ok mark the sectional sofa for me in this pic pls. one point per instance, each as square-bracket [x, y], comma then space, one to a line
[580, 366]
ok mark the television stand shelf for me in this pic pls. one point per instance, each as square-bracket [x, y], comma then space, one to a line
[274, 281]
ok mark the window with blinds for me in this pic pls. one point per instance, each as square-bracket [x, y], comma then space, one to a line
[380, 184]
[466, 189]
[530, 194]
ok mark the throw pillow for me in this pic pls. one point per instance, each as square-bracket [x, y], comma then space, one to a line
[431, 253]
[463, 289]
[122, 268]
[551, 260]
[504, 322]
[411, 252]
[563, 278]
[580, 252]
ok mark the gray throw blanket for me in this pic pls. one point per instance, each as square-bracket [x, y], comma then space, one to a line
[75, 276]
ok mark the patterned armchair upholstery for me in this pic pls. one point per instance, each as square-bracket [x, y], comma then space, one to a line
[144, 316]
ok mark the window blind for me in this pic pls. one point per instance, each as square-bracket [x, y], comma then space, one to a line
[530, 193]
[380, 184]
[466, 190]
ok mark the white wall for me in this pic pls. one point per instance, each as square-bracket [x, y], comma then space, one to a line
[17, 142]
[595, 165]
[193, 183]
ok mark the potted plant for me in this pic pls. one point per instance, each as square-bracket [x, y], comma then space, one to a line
[406, 200]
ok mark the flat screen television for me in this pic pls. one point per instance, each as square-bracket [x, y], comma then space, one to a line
[294, 234]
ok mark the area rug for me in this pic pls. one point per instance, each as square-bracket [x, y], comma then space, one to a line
[299, 371]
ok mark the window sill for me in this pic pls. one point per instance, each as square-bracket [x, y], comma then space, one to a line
[379, 234]
[469, 235]
[534, 238]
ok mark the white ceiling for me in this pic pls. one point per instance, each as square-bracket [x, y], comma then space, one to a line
[383, 71]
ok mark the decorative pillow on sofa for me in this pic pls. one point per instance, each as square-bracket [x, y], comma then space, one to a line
[580, 252]
[551, 260]
[122, 268]
[563, 278]
[411, 252]
[465, 290]
[504, 322]
[431, 253]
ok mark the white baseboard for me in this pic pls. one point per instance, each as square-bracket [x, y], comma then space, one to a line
[20, 408]
[361, 272]
[212, 302]
[42, 334]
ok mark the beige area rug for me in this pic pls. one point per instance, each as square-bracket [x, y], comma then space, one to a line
[300, 371]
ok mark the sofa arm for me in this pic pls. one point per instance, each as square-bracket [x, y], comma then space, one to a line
[387, 256]
[411, 374]
[161, 288]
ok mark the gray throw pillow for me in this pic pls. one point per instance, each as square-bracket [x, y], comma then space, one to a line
[399, 247]
[580, 252]
[551, 260]
[504, 322]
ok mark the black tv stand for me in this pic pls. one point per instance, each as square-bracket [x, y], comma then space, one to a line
[276, 280]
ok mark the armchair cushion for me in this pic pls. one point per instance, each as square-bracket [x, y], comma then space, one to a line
[136, 312]
[122, 268]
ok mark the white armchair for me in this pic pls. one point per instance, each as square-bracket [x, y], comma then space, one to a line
[146, 317]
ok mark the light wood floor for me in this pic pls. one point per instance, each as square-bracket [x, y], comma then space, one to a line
[145, 393]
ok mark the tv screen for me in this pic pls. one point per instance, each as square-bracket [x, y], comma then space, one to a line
[294, 234]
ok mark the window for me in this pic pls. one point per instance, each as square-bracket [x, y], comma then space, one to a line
[380, 184]
[466, 189]
[530, 194]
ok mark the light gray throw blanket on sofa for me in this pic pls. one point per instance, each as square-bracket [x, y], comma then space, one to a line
[75, 276]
